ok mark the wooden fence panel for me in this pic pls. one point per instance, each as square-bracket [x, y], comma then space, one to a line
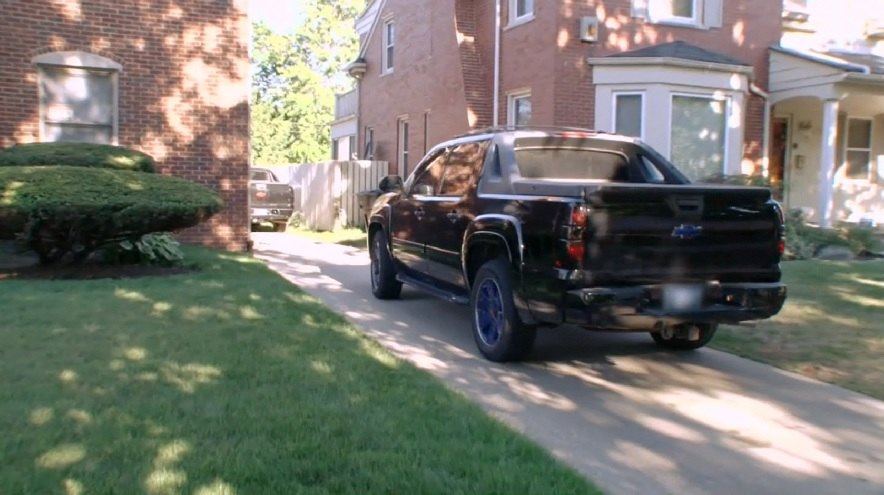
[326, 193]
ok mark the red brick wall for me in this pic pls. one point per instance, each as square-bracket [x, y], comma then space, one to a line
[427, 76]
[183, 89]
[544, 55]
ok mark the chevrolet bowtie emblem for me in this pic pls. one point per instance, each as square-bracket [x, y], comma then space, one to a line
[685, 231]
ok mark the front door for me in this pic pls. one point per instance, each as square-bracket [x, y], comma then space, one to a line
[779, 149]
[409, 223]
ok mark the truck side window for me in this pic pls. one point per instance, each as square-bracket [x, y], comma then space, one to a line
[650, 171]
[426, 181]
[462, 166]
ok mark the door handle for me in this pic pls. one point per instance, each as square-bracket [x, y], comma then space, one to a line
[452, 217]
[419, 212]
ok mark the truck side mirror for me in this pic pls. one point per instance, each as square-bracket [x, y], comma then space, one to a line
[391, 183]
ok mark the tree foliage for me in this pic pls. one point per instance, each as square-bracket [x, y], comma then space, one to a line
[295, 78]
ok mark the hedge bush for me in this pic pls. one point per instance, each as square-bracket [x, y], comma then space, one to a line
[804, 241]
[76, 155]
[61, 212]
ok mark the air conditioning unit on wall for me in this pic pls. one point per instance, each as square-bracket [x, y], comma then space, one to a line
[589, 29]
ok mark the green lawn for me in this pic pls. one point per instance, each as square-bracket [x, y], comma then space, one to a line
[231, 381]
[831, 328]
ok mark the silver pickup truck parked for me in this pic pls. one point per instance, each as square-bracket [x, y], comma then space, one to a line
[269, 200]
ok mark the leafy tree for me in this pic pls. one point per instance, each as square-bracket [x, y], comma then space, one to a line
[295, 78]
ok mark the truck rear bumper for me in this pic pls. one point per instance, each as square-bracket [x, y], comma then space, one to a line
[642, 307]
[270, 214]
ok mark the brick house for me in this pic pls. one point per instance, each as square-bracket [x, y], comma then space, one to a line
[165, 77]
[690, 77]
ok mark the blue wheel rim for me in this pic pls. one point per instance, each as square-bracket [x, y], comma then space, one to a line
[489, 312]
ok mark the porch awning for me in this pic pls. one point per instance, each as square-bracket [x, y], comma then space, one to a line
[796, 73]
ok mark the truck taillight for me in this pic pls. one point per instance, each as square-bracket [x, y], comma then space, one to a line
[578, 216]
[575, 244]
[576, 251]
[781, 246]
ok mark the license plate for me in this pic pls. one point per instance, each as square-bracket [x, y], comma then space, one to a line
[682, 297]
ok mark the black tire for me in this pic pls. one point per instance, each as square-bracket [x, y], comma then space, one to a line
[383, 276]
[678, 339]
[498, 331]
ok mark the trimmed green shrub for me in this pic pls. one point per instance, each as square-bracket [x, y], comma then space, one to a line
[804, 241]
[61, 212]
[152, 249]
[76, 155]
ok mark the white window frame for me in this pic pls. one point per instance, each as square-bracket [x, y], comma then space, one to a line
[695, 20]
[640, 94]
[514, 18]
[511, 99]
[402, 145]
[80, 61]
[368, 144]
[847, 148]
[728, 102]
[388, 45]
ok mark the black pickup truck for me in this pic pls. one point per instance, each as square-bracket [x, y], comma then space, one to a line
[536, 228]
[269, 200]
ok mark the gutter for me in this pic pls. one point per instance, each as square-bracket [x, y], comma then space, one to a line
[496, 91]
[671, 62]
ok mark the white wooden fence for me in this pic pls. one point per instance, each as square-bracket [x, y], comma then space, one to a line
[327, 191]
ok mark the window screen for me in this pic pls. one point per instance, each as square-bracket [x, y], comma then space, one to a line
[78, 105]
[628, 115]
[698, 136]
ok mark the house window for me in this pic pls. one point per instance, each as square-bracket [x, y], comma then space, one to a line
[426, 131]
[389, 45]
[521, 11]
[78, 97]
[628, 114]
[858, 148]
[368, 152]
[351, 147]
[679, 11]
[698, 138]
[403, 146]
[519, 108]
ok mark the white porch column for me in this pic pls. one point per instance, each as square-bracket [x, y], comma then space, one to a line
[827, 161]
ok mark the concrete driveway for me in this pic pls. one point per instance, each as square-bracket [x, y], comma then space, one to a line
[629, 416]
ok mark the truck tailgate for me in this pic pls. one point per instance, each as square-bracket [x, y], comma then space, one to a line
[652, 234]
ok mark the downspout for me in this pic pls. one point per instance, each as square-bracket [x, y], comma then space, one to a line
[765, 138]
[496, 91]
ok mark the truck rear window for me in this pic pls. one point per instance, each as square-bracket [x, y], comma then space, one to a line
[551, 158]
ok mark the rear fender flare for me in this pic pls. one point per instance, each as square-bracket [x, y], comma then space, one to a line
[501, 229]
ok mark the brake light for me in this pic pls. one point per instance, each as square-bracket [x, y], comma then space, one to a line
[575, 134]
[781, 246]
[576, 251]
[260, 194]
[578, 216]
